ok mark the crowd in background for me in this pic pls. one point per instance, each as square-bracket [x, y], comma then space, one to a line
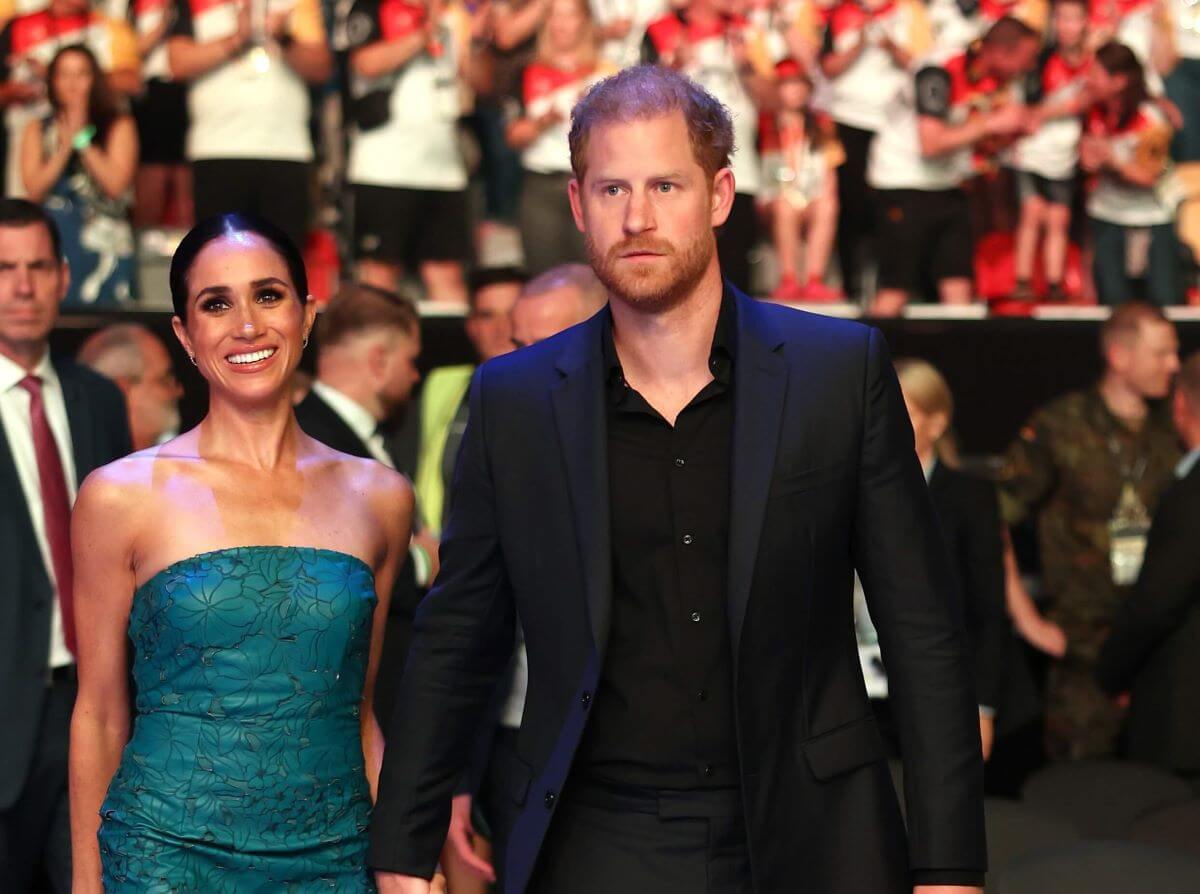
[887, 150]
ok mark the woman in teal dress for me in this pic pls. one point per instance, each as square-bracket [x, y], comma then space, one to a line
[247, 566]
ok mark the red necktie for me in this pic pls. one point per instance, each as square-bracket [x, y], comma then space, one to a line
[56, 504]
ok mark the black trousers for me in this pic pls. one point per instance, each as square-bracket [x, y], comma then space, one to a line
[602, 841]
[275, 190]
[856, 206]
[35, 832]
[736, 239]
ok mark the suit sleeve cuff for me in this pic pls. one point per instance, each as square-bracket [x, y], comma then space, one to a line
[965, 877]
[388, 859]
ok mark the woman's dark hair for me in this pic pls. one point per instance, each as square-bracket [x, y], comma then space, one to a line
[231, 224]
[102, 107]
[1117, 59]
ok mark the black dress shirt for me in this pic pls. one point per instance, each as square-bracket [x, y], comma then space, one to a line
[663, 711]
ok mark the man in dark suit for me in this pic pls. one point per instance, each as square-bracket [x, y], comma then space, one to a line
[58, 422]
[368, 340]
[672, 499]
[1153, 651]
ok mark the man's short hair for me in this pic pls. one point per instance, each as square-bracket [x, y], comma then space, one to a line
[23, 213]
[116, 351]
[1125, 323]
[1188, 381]
[360, 307]
[651, 91]
[591, 291]
[485, 277]
[1008, 32]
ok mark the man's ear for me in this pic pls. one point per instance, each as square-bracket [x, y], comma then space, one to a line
[573, 194]
[723, 190]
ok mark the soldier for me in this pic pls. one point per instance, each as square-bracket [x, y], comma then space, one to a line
[1091, 465]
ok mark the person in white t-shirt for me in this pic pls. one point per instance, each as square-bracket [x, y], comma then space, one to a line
[249, 65]
[621, 27]
[1126, 143]
[409, 71]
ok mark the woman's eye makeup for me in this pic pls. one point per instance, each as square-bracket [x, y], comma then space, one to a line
[270, 295]
[214, 304]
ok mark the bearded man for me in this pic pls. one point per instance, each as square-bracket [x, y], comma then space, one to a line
[672, 498]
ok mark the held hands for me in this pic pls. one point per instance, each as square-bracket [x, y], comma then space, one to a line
[461, 837]
[391, 883]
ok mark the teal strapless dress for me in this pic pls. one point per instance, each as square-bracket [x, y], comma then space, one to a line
[245, 771]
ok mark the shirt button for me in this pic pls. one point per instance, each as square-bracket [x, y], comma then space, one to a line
[585, 700]
[702, 695]
[549, 800]
[696, 617]
[679, 463]
[687, 539]
[708, 769]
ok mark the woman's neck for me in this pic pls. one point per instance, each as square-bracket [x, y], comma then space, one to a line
[264, 436]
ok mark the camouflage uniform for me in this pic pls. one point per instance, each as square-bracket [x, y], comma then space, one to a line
[1066, 466]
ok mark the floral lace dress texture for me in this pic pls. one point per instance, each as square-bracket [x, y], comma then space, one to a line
[245, 769]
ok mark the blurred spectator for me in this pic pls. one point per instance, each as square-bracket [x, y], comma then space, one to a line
[554, 301]
[1153, 651]
[164, 181]
[970, 522]
[409, 65]
[80, 161]
[959, 23]
[1183, 87]
[1090, 467]
[801, 184]
[248, 64]
[866, 53]
[621, 27]
[440, 412]
[566, 62]
[27, 45]
[730, 58]
[1045, 160]
[1125, 145]
[1142, 25]
[923, 156]
[58, 422]
[137, 361]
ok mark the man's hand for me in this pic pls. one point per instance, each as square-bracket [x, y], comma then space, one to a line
[1006, 120]
[939, 889]
[393, 883]
[461, 837]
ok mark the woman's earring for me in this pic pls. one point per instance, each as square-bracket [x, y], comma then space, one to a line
[192, 357]
[304, 344]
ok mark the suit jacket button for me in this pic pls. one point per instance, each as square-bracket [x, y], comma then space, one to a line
[585, 700]
[549, 800]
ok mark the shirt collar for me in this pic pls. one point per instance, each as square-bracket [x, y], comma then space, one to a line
[1188, 463]
[721, 355]
[11, 373]
[350, 411]
[930, 469]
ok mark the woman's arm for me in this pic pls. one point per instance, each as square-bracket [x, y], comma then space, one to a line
[522, 132]
[114, 164]
[40, 172]
[101, 540]
[392, 498]
[513, 27]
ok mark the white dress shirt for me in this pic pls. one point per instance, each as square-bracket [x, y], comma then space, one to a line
[357, 418]
[18, 429]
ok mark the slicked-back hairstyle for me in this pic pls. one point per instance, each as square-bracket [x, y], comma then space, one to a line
[360, 307]
[23, 213]
[231, 224]
[1126, 322]
[116, 351]
[652, 91]
[1008, 32]
[1188, 380]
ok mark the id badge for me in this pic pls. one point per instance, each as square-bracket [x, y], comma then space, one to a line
[1127, 531]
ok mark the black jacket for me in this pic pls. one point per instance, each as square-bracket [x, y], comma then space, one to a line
[99, 434]
[970, 520]
[1153, 651]
[824, 480]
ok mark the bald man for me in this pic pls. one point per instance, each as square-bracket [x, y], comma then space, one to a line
[556, 300]
[137, 361]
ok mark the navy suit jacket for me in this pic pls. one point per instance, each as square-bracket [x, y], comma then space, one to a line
[99, 434]
[824, 480]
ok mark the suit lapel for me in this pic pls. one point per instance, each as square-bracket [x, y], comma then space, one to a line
[79, 420]
[760, 389]
[578, 400]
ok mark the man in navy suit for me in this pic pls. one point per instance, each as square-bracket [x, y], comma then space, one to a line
[58, 422]
[672, 498]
